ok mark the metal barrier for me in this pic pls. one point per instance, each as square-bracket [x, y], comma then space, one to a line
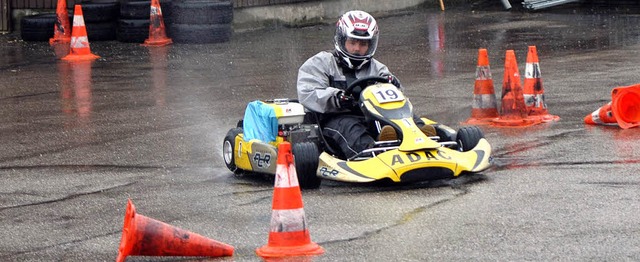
[540, 4]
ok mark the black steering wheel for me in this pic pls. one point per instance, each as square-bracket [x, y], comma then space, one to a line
[361, 84]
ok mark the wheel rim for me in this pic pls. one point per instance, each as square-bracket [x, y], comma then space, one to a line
[462, 145]
[227, 152]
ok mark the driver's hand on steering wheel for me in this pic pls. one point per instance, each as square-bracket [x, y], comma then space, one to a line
[345, 101]
[394, 81]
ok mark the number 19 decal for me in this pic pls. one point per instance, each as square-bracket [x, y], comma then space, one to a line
[387, 93]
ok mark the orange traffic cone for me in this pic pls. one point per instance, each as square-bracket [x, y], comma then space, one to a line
[62, 27]
[623, 110]
[80, 49]
[484, 107]
[533, 90]
[143, 236]
[289, 235]
[602, 116]
[157, 35]
[513, 110]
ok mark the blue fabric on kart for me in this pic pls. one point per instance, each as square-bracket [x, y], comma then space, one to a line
[260, 122]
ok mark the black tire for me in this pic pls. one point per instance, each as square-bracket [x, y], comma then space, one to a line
[468, 137]
[199, 34]
[142, 9]
[132, 30]
[229, 149]
[104, 31]
[202, 12]
[306, 158]
[37, 27]
[98, 12]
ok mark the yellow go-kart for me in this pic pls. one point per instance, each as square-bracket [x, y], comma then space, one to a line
[414, 157]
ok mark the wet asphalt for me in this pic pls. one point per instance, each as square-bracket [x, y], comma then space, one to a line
[147, 124]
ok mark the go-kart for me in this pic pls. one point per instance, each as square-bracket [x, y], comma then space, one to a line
[413, 157]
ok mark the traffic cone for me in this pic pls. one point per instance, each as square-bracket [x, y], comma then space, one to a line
[513, 110]
[533, 89]
[143, 236]
[623, 110]
[80, 49]
[62, 27]
[157, 35]
[289, 235]
[484, 107]
[602, 116]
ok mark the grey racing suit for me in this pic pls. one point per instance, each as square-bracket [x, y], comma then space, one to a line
[320, 79]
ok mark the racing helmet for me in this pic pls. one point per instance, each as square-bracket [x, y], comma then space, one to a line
[357, 25]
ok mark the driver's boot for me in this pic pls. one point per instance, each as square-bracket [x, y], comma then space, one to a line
[387, 133]
[428, 130]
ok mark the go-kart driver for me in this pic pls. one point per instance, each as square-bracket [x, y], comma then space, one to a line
[323, 78]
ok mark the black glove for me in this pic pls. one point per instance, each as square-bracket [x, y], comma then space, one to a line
[345, 101]
[394, 81]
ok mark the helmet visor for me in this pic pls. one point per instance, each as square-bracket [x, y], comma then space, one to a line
[357, 47]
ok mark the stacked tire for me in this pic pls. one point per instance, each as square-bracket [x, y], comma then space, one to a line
[201, 21]
[187, 21]
[99, 19]
[38, 27]
[133, 25]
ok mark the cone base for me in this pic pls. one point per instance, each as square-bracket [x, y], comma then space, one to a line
[157, 42]
[309, 249]
[545, 118]
[74, 57]
[519, 122]
[479, 121]
[625, 105]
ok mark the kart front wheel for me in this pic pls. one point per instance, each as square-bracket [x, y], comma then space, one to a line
[228, 149]
[306, 159]
[468, 137]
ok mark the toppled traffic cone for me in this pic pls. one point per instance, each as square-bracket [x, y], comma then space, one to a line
[143, 236]
[533, 89]
[602, 116]
[513, 110]
[62, 27]
[484, 107]
[80, 49]
[157, 35]
[289, 235]
[623, 110]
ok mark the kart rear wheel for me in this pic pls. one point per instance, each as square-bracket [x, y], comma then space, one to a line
[468, 137]
[228, 149]
[306, 158]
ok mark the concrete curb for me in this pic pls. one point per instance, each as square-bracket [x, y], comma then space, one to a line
[316, 12]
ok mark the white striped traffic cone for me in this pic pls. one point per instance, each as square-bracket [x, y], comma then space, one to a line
[79, 41]
[533, 90]
[289, 235]
[484, 107]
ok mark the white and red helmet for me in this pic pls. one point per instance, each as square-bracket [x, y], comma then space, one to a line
[358, 25]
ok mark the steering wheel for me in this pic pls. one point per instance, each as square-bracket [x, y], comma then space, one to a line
[359, 85]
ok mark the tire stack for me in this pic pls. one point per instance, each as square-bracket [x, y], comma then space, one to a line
[38, 27]
[200, 21]
[187, 21]
[99, 19]
[133, 25]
